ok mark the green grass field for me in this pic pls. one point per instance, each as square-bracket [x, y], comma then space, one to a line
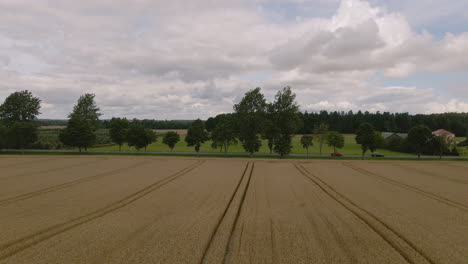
[350, 148]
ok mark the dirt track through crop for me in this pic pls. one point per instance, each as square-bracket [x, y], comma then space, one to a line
[104, 209]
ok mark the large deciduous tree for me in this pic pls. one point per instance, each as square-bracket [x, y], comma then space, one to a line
[224, 134]
[307, 142]
[170, 139]
[365, 136]
[250, 112]
[86, 108]
[335, 140]
[78, 133]
[18, 113]
[83, 123]
[196, 135]
[419, 137]
[285, 117]
[118, 131]
[20, 106]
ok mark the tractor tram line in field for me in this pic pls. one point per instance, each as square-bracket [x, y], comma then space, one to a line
[18, 245]
[68, 184]
[408, 250]
[408, 187]
[218, 246]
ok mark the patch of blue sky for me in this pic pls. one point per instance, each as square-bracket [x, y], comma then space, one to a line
[255, 77]
[285, 11]
[427, 80]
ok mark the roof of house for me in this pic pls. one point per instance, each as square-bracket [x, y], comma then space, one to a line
[442, 132]
[389, 134]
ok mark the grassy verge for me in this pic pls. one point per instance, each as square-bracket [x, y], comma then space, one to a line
[192, 155]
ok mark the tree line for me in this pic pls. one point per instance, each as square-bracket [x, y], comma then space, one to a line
[253, 121]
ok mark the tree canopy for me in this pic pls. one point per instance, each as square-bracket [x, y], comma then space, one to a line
[17, 115]
[321, 132]
[285, 119]
[419, 137]
[366, 137]
[335, 139]
[250, 113]
[118, 131]
[196, 135]
[224, 134]
[170, 139]
[86, 109]
[20, 106]
[82, 124]
[78, 133]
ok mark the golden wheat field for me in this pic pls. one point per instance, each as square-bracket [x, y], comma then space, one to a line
[116, 209]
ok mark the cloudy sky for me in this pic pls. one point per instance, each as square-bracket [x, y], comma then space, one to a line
[183, 59]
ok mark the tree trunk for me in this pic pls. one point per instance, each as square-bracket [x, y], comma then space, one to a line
[120, 147]
[307, 149]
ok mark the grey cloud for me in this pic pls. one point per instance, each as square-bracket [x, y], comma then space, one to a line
[179, 59]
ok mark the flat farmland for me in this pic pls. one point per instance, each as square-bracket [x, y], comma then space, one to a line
[117, 209]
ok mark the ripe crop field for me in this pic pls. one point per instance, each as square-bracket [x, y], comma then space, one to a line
[116, 209]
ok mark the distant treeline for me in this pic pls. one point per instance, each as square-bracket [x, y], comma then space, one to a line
[343, 122]
[348, 122]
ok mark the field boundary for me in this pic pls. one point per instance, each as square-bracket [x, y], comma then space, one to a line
[417, 190]
[397, 241]
[228, 155]
[11, 248]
